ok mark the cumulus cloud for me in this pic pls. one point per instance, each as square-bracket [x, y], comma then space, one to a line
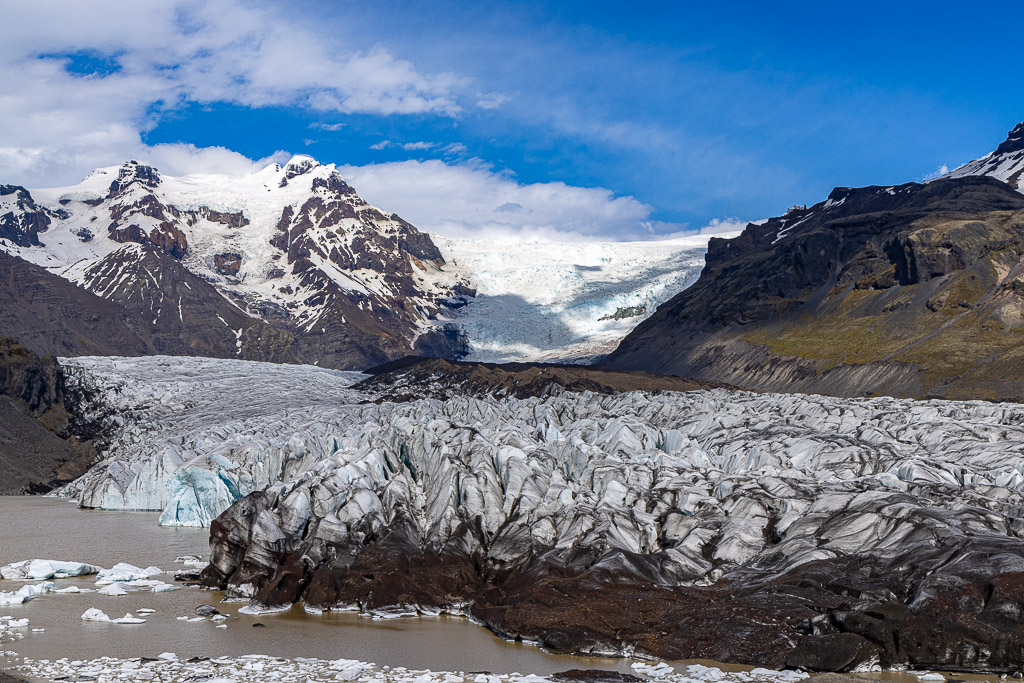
[718, 226]
[330, 127]
[473, 200]
[57, 122]
[182, 159]
[937, 173]
[491, 100]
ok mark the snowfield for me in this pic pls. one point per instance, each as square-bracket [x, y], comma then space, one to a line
[565, 301]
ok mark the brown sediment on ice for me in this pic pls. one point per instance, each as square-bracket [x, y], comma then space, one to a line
[415, 377]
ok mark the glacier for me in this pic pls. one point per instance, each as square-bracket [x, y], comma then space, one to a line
[565, 301]
[812, 520]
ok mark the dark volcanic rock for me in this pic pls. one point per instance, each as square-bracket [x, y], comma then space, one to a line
[227, 263]
[595, 676]
[906, 291]
[179, 313]
[418, 377]
[22, 224]
[53, 316]
[38, 447]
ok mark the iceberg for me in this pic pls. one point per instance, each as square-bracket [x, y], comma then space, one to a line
[33, 570]
[128, 619]
[25, 593]
[122, 571]
[94, 614]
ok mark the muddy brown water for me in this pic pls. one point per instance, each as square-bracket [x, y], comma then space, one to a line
[49, 528]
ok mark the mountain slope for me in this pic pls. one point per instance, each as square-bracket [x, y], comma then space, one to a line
[54, 316]
[37, 448]
[1006, 163]
[345, 284]
[911, 290]
[290, 251]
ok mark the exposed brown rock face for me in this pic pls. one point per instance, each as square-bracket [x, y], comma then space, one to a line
[54, 316]
[357, 328]
[39, 449]
[22, 224]
[227, 263]
[414, 377]
[179, 313]
[908, 291]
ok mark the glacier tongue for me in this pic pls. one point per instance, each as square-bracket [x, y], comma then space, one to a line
[578, 519]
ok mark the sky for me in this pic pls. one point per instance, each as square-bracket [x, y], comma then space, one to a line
[569, 120]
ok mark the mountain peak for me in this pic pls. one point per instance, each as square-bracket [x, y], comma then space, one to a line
[134, 172]
[1014, 141]
[1006, 163]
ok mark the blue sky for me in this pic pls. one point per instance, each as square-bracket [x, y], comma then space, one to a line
[682, 113]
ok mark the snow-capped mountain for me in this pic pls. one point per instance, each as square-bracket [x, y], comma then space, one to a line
[1006, 163]
[292, 247]
[289, 263]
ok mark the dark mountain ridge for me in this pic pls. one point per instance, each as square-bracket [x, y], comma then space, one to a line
[914, 290]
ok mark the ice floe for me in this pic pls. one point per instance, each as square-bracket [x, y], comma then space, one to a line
[33, 570]
[254, 668]
[26, 593]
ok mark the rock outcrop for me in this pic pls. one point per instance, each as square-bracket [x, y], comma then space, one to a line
[41, 445]
[912, 290]
[413, 378]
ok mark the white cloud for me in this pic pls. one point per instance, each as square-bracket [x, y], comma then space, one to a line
[416, 146]
[937, 173]
[471, 199]
[55, 126]
[330, 127]
[491, 100]
[718, 226]
[181, 159]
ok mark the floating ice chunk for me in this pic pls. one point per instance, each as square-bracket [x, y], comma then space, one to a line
[17, 623]
[46, 569]
[222, 625]
[168, 656]
[25, 593]
[122, 571]
[73, 589]
[931, 677]
[94, 615]
[162, 587]
[112, 590]
[128, 619]
[145, 610]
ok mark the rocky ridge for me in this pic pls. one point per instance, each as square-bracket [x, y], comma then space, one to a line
[832, 533]
[43, 444]
[912, 290]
